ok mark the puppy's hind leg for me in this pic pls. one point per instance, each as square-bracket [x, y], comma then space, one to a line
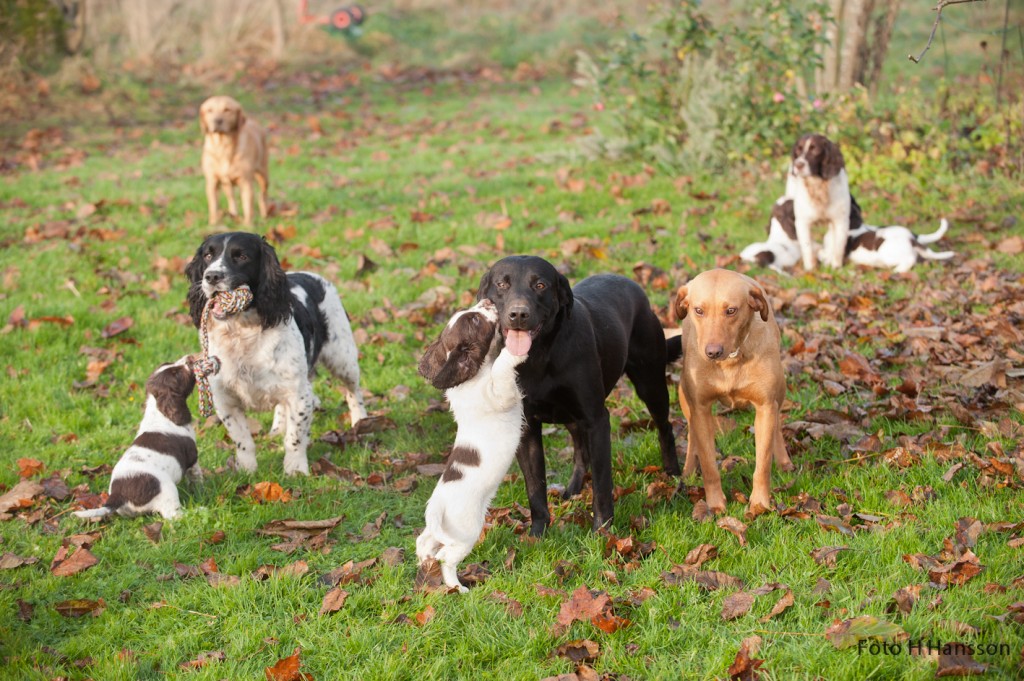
[450, 556]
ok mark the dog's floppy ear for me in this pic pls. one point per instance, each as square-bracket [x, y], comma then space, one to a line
[271, 297]
[832, 161]
[459, 366]
[171, 388]
[682, 305]
[432, 360]
[759, 302]
[202, 122]
[565, 297]
[484, 287]
[196, 298]
[240, 121]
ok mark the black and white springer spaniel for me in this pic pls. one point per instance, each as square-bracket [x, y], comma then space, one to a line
[820, 189]
[268, 352]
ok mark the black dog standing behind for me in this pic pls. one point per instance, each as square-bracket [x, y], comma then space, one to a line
[579, 342]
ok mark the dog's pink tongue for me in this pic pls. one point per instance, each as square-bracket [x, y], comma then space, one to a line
[518, 342]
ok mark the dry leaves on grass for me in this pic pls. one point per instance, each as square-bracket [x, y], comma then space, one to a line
[9, 561]
[20, 496]
[77, 607]
[65, 563]
[579, 651]
[203, 659]
[287, 669]
[826, 555]
[29, 467]
[267, 492]
[333, 601]
[734, 526]
[745, 667]
[846, 633]
[311, 535]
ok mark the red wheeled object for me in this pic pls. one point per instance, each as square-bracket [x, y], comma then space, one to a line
[345, 19]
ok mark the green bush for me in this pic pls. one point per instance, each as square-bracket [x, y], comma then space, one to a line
[31, 31]
[689, 92]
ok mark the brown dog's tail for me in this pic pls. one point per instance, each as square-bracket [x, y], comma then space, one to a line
[674, 348]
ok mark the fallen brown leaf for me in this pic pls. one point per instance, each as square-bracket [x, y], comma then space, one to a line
[736, 605]
[287, 669]
[77, 607]
[64, 565]
[734, 526]
[29, 467]
[745, 667]
[579, 651]
[785, 602]
[582, 605]
[333, 601]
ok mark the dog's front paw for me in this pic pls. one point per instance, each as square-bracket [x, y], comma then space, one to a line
[756, 508]
[245, 462]
[514, 360]
[296, 468]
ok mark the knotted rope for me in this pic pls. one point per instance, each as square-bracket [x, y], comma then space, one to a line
[231, 302]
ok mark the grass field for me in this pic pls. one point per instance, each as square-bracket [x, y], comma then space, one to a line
[904, 411]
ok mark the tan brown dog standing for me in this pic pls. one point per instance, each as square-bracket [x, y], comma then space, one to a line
[234, 153]
[731, 355]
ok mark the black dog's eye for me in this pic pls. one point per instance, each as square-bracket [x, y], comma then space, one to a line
[540, 286]
[242, 257]
[502, 285]
[208, 257]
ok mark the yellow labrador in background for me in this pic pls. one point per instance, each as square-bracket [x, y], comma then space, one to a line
[234, 153]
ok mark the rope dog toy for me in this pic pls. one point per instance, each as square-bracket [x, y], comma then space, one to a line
[231, 303]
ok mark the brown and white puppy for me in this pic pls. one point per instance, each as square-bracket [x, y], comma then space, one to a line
[781, 250]
[731, 355]
[820, 189]
[479, 379]
[234, 153]
[145, 479]
[894, 247]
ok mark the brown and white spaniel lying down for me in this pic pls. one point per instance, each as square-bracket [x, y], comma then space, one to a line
[479, 379]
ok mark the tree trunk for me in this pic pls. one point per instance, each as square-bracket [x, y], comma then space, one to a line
[828, 75]
[280, 36]
[880, 45]
[852, 48]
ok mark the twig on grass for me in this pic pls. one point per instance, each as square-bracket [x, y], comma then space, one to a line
[935, 26]
[163, 604]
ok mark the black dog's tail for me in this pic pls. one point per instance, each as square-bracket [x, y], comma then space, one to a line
[674, 348]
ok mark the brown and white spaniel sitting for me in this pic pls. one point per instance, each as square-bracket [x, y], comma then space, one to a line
[820, 189]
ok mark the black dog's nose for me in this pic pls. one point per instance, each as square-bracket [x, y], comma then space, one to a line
[518, 315]
[714, 351]
[213, 277]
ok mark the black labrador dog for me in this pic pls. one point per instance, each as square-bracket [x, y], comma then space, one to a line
[579, 342]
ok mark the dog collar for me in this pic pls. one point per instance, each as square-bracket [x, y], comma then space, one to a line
[736, 353]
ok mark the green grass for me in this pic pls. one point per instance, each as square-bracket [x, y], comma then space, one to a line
[460, 150]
